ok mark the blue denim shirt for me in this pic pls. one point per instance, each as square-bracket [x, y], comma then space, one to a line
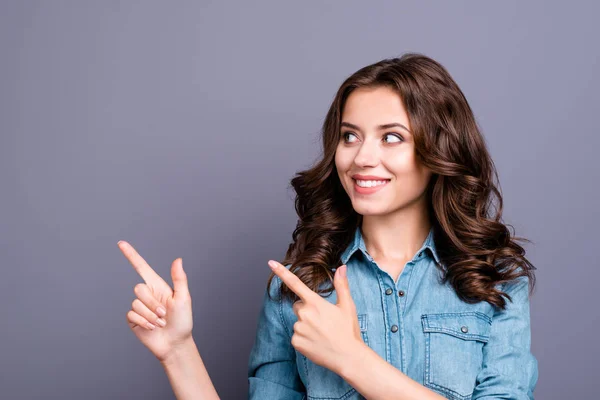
[459, 350]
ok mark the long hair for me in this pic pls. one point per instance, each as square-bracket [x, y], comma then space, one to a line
[476, 249]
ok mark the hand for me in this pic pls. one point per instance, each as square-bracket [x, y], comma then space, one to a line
[156, 294]
[325, 333]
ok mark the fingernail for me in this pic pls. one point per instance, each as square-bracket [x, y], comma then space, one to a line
[150, 325]
[272, 264]
[343, 271]
[161, 311]
[161, 322]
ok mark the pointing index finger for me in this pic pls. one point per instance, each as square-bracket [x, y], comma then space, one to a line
[139, 264]
[293, 282]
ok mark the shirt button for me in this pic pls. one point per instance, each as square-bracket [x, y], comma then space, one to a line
[464, 329]
[388, 291]
[401, 293]
[394, 328]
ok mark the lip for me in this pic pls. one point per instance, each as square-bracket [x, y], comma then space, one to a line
[369, 190]
[369, 177]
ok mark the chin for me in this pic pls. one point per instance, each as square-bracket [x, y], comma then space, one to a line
[370, 210]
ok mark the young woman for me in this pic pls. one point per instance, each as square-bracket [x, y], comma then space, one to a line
[430, 299]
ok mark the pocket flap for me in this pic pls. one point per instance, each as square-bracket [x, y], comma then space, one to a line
[469, 325]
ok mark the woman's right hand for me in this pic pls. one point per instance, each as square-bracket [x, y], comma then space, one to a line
[152, 296]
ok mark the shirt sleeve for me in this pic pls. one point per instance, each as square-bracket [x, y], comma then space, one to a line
[510, 370]
[272, 371]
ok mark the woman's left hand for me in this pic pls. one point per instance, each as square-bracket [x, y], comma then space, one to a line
[326, 333]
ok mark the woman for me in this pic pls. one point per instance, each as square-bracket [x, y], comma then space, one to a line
[431, 299]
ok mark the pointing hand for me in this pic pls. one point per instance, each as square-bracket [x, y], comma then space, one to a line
[156, 302]
[324, 332]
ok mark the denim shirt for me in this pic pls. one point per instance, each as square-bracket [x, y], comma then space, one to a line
[462, 351]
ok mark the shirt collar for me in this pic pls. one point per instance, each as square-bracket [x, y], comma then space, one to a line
[358, 243]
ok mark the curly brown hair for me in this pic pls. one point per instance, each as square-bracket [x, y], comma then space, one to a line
[476, 248]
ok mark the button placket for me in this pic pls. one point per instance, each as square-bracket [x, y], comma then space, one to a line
[394, 347]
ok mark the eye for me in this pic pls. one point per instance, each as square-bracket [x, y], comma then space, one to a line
[345, 134]
[398, 137]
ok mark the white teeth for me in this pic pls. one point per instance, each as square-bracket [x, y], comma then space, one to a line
[370, 183]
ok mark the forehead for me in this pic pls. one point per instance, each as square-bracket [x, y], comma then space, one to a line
[368, 107]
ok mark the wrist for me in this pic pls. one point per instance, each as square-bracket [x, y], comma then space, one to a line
[180, 352]
[353, 359]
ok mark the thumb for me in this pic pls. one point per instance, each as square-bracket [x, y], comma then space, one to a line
[180, 282]
[342, 288]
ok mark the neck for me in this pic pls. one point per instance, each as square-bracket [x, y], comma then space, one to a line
[396, 236]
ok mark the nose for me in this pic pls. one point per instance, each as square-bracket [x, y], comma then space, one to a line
[368, 154]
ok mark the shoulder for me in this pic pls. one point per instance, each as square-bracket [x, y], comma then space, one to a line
[519, 287]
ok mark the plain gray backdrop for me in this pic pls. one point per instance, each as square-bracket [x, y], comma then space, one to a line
[177, 125]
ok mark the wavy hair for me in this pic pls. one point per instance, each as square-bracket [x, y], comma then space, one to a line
[477, 250]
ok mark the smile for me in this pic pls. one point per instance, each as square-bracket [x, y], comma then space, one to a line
[368, 187]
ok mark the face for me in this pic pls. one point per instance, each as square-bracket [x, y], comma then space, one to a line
[377, 165]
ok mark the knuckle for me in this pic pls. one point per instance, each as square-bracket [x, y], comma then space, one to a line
[302, 313]
[131, 316]
[139, 288]
[308, 313]
[143, 310]
[138, 306]
[136, 303]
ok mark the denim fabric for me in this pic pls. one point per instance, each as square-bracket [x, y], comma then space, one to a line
[459, 350]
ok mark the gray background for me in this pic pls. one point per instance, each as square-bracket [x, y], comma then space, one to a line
[177, 126]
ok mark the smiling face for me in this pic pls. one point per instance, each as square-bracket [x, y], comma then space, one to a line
[393, 178]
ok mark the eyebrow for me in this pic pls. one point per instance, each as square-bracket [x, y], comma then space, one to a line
[384, 126]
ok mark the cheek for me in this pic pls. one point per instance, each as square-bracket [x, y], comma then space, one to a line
[402, 166]
[407, 170]
[342, 161]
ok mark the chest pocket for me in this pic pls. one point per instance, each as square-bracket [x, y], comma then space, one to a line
[324, 384]
[454, 351]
